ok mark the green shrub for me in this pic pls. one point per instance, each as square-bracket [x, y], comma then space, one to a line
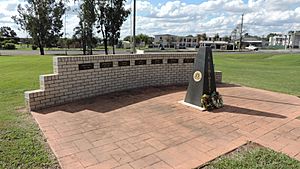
[34, 47]
[8, 41]
[9, 46]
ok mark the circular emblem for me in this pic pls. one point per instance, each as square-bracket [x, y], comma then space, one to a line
[197, 76]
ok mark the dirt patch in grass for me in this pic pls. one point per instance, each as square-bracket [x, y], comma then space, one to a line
[252, 155]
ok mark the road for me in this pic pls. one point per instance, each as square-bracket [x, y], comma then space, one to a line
[53, 52]
[99, 52]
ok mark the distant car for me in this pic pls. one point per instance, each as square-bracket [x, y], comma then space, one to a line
[252, 48]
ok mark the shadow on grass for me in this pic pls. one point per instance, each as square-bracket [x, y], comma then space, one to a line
[262, 100]
[240, 110]
[226, 85]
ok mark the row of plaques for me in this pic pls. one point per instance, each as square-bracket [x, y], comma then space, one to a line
[87, 66]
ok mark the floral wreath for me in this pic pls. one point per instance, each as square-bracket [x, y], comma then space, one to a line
[213, 101]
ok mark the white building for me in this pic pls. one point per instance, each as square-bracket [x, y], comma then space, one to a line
[294, 39]
[173, 41]
[278, 40]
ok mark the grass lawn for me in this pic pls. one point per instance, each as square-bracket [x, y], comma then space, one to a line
[253, 156]
[21, 144]
[276, 72]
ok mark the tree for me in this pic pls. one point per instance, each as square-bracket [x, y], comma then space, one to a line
[227, 39]
[201, 37]
[216, 37]
[111, 16]
[88, 20]
[127, 38]
[271, 35]
[117, 16]
[43, 21]
[140, 38]
[7, 32]
[145, 38]
[80, 33]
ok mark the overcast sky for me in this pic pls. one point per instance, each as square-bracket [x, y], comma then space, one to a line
[187, 17]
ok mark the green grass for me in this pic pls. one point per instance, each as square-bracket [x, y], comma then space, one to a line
[21, 144]
[254, 158]
[275, 72]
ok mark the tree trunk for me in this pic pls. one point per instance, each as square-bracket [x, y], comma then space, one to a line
[42, 52]
[90, 47]
[83, 47]
[114, 45]
[105, 46]
[104, 34]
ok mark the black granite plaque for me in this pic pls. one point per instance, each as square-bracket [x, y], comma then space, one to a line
[140, 62]
[86, 66]
[106, 64]
[202, 80]
[171, 61]
[124, 63]
[156, 61]
[188, 60]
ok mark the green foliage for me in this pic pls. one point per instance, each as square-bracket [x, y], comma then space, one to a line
[8, 41]
[216, 37]
[42, 20]
[271, 35]
[111, 16]
[9, 46]
[34, 47]
[256, 158]
[7, 32]
[140, 38]
[202, 37]
[227, 39]
[88, 20]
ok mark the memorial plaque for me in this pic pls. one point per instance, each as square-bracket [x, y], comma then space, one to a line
[202, 80]
[124, 63]
[106, 64]
[188, 60]
[86, 66]
[140, 62]
[156, 61]
[172, 61]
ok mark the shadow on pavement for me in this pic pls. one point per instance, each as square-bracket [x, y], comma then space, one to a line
[112, 101]
[240, 110]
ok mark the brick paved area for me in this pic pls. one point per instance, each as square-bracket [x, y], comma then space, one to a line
[148, 128]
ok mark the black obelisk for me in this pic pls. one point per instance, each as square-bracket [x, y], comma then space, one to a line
[202, 80]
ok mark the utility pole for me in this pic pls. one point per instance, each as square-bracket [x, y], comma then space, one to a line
[133, 31]
[66, 53]
[241, 33]
[285, 46]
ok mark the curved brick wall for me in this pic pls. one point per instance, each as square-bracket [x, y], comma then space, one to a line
[77, 77]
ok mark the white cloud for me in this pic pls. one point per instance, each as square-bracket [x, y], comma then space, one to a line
[180, 17]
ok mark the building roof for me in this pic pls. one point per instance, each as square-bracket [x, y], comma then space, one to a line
[165, 35]
[214, 42]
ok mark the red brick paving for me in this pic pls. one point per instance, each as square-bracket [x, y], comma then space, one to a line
[148, 128]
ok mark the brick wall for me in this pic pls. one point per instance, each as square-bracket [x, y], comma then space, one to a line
[77, 77]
